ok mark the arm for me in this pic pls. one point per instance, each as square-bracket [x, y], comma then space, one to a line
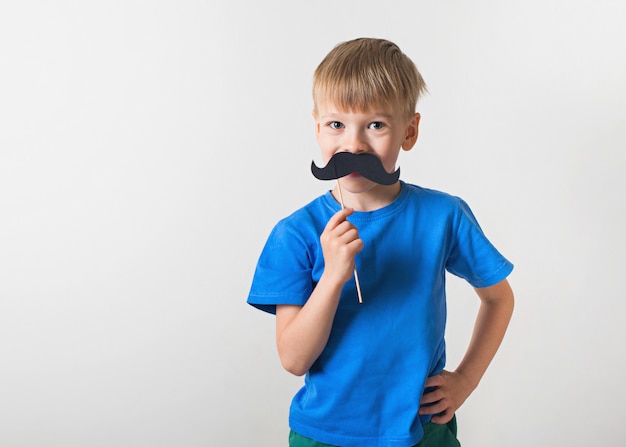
[453, 388]
[303, 331]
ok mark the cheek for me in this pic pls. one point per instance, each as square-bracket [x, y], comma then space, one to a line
[326, 145]
[325, 152]
[390, 159]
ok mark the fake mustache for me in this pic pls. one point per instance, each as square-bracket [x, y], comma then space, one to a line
[366, 164]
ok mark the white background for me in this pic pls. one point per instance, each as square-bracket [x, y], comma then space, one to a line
[148, 147]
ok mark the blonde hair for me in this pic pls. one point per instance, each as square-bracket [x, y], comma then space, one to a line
[365, 72]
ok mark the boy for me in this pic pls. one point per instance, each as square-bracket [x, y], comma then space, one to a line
[374, 371]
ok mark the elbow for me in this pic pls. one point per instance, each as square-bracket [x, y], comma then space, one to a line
[293, 367]
[292, 361]
[296, 371]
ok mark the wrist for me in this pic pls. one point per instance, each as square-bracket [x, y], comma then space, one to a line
[332, 284]
[470, 381]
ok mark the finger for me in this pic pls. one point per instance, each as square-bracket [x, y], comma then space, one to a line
[433, 396]
[443, 418]
[338, 217]
[436, 408]
[347, 234]
[341, 236]
[434, 381]
[343, 228]
[347, 246]
[355, 245]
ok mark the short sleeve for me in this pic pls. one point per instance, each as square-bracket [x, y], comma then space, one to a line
[283, 272]
[472, 256]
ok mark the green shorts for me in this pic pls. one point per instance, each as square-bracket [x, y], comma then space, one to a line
[435, 435]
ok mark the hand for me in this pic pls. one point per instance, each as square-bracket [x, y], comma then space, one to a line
[340, 244]
[450, 389]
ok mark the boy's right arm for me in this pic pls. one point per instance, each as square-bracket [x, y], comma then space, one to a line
[303, 331]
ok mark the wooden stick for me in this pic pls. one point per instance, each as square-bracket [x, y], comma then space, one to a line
[356, 275]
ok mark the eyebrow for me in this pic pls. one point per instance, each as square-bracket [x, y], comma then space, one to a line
[384, 115]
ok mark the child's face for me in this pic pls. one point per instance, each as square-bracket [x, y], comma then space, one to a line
[378, 131]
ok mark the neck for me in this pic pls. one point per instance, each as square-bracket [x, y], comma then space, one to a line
[371, 199]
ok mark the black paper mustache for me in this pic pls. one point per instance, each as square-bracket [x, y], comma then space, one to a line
[366, 164]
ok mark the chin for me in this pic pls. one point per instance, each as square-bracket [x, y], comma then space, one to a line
[356, 185]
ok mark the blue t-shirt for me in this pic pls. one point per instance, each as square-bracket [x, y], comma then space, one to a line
[366, 386]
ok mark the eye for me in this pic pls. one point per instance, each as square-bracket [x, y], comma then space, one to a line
[376, 125]
[335, 125]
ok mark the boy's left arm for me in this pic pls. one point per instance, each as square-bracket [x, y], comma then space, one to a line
[452, 388]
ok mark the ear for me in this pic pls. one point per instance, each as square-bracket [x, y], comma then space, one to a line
[412, 132]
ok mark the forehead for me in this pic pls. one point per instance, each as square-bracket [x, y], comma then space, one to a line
[381, 110]
[328, 105]
[355, 96]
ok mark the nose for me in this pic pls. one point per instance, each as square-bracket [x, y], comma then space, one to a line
[355, 142]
